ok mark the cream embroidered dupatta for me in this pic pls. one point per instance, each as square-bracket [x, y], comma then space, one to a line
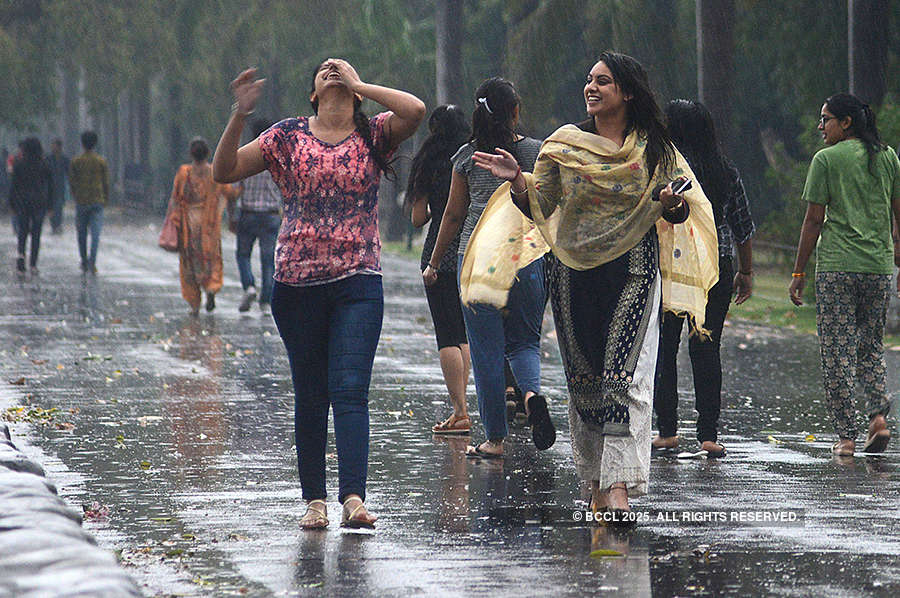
[591, 202]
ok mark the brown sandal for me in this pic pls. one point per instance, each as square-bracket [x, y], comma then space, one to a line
[453, 426]
[352, 521]
[314, 518]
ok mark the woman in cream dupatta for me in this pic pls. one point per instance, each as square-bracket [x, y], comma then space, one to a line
[601, 198]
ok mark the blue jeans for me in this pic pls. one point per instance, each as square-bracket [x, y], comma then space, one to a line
[331, 332]
[88, 218]
[513, 334]
[252, 226]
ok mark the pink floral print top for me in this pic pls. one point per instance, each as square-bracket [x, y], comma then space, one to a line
[330, 225]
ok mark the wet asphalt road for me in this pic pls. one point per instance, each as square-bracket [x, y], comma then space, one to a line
[182, 428]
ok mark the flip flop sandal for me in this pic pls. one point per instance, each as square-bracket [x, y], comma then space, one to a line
[349, 522]
[448, 428]
[717, 454]
[475, 452]
[542, 431]
[319, 520]
[877, 442]
[835, 452]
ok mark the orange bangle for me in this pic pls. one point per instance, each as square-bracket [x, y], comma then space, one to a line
[798, 274]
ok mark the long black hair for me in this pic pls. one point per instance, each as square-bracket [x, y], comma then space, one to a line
[862, 122]
[692, 130]
[361, 121]
[643, 113]
[495, 105]
[448, 131]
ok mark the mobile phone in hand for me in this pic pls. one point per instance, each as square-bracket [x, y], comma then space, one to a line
[681, 185]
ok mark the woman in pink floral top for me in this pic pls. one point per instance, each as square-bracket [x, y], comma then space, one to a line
[328, 300]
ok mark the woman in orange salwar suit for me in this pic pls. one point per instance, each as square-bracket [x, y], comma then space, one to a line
[196, 207]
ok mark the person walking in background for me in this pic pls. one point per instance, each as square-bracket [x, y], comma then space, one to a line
[59, 171]
[602, 199]
[89, 181]
[328, 300]
[258, 219]
[196, 207]
[30, 196]
[691, 127]
[513, 333]
[4, 174]
[426, 196]
[852, 190]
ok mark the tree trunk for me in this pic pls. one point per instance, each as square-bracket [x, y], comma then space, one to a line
[715, 63]
[71, 114]
[448, 52]
[867, 44]
[177, 144]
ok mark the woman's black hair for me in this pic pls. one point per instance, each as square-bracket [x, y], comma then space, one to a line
[643, 113]
[495, 105]
[199, 149]
[361, 121]
[691, 129]
[448, 131]
[862, 122]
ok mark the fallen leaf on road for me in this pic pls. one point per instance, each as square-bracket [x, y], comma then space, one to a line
[95, 511]
[65, 426]
[19, 382]
[773, 440]
[810, 438]
[145, 465]
[38, 361]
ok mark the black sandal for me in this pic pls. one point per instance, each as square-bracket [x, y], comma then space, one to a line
[542, 431]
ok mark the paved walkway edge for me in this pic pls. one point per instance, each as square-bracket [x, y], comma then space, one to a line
[44, 551]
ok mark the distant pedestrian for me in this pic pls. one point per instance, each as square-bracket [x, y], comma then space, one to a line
[196, 207]
[852, 190]
[59, 170]
[30, 196]
[328, 300]
[426, 195]
[602, 197]
[89, 181]
[511, 332]
[259, 217]
[4, 175]
[691, 126]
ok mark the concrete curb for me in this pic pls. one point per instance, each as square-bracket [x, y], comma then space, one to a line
[43, 549]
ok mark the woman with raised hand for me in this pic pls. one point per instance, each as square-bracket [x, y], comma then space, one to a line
[691, 127]
[514, 331]
[328, 300]
[426, 198]
[601, 196]
[852, 190]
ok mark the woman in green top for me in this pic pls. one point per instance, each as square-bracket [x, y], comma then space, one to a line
[852, 188]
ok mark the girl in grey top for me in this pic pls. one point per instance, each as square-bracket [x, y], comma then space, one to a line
[512, 334]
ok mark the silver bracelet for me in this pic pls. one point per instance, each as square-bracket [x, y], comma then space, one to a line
[234, 110]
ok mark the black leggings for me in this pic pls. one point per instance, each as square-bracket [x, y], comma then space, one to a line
[30, 220]
[706, 364]
[446, 311]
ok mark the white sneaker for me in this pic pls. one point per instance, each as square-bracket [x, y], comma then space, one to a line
[264, 308]
[247, 301]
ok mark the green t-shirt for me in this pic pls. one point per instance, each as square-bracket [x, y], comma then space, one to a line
[856, 234]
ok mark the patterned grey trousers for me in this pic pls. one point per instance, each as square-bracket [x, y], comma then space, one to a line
[850, 314]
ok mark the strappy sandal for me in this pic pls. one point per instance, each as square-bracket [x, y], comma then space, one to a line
[314, 518]
[453, 426]
[351, 521]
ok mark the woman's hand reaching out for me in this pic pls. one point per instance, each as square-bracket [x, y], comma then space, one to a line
[502, 164]
[246, 90]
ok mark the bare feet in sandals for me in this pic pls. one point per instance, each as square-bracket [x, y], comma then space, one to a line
[878, 437]
[354, 514]
[454, 424]
[316, 516]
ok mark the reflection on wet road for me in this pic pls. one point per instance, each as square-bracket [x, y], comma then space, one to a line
[183, 427]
